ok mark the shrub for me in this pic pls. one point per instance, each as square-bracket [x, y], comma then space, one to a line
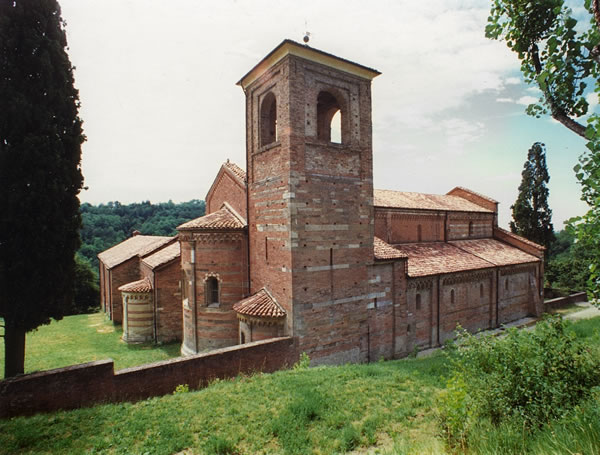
[528, 378]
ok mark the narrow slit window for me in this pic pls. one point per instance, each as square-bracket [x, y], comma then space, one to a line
[419, 233]
[418, 302]
[212, 291]
[452, 296]
[470, 229]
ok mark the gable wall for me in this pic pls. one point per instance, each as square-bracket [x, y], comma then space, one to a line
[227, 189]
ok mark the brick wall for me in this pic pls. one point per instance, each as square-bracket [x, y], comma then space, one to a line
[167, 294]
[219, 255]
[87, 384]
[119, 275]
[518, 293]
[226, 188]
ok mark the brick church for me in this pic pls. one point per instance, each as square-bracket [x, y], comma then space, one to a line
[301, 244]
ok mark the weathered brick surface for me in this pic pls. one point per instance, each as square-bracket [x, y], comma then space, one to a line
[310, 206]
[119, 275]
[221, 255]
[226, 188]
[63, 388]
[167, 292]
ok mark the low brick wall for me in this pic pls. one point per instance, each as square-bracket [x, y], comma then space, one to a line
[96, 382]
[561, 302]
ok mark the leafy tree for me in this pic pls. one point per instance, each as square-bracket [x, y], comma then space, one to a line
[532, 218]
[40, 175]
[86, 291]
[563, 59]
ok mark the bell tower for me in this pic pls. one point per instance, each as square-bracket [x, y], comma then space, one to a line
[310, 195]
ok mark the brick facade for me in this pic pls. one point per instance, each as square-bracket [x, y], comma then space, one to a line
[353, 274]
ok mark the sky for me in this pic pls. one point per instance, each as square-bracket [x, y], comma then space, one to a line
[162, 111]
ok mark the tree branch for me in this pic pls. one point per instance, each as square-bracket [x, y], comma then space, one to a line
[556, 111]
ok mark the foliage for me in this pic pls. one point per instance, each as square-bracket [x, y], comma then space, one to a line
[181, 388]
[86, 293]
[532, 217]
[85, 338]
[105, 225]
[303, 362]
[40, 175]
[561, 57]
[526, 379]
[568, 263]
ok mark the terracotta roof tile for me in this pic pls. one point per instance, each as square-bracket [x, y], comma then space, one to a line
[162, 256]
[437, 258]
[225, 218]
[143, 285]
[494, 251]
[518, 237]
[237, 171]
[407, 200]
[383, 250]
[262, 304]
[138, 245]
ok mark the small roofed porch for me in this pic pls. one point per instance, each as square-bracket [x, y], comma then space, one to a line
[260, 317]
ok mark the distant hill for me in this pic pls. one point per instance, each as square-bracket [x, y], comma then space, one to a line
[106, 225]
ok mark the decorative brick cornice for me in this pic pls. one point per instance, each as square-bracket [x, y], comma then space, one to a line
[467, 277]
[419, 284]
[517, 269]
[212, 237]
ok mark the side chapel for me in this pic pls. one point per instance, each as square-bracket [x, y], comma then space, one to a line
[301, 244]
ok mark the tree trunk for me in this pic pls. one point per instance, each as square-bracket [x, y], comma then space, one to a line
[14, 350]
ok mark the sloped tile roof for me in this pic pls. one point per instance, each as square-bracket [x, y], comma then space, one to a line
[262, 305]
[138, 245]
[483, 196]
[407, 200]
[225, 218]
[383, 250]
[498, 253]
[162, 256]
[518, 237]
[143, 285]
[237, 171]
[439, 257]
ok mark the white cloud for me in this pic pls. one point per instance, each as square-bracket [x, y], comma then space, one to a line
[527, 100]
[512, 80]
[505, 100]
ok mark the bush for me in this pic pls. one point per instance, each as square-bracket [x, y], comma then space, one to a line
[527, 378]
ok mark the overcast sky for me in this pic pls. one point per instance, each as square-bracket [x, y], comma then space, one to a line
[161, 110]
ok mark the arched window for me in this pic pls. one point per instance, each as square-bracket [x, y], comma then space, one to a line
[418, 301]
[470, 228]
[506, 284]
[481, 290]
[268, 120]
[452, 296]
[329, 118]
[419, 233]
[212, 291]
[242, 338]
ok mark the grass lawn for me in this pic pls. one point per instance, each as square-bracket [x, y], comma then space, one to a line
[84, 338]
[380, 408]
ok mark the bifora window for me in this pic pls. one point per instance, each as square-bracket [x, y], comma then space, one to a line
[212, 291]
[329, 118]
[268, 120]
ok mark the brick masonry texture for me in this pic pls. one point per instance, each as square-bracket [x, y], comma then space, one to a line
[358, 273]
[87, 384]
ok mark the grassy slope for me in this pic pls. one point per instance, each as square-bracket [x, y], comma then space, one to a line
[325, 410]
[84, 338]
[321, 410]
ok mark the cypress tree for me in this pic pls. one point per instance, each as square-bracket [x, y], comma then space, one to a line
[40, 175]
[532, 217]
